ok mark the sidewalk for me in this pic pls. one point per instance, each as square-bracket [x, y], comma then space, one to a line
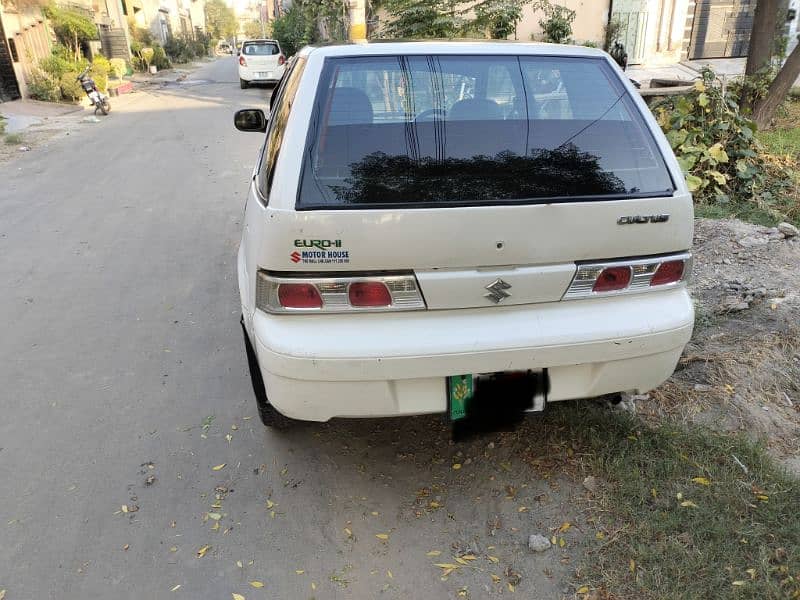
[21, 114]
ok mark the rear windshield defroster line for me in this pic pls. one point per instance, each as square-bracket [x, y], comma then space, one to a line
[454, 130]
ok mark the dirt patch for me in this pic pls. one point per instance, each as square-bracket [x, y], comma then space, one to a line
[741, 371]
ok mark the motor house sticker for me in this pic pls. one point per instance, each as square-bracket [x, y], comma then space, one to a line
[317, 252]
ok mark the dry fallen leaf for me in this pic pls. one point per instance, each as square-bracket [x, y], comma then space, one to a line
[348, 532]
[2, 594]
[202, 552]
[522, 509]
[237, 597]
[494, 559]
[173, 549]
[495, 578]
[632, 566]
[382, 536]
[433, 553]
[389, 574]
[176, 588]
[751, 572]
[510, 587]
[599, 535]
[445, 565]
[313, 585]
[239, 564]
[688, 504]
[215, 526]
[256, 584]
[300, 571]
[215, 516]
[219, 467]
[456, 466]
[582, 590]
[701, 481]
[469, 557]
[124, 508]
[126, 546]
[738, 583]
[270, 504]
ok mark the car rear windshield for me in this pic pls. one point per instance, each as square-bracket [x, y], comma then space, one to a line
[461, 130]
[260, 48]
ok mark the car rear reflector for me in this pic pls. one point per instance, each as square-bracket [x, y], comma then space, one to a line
[242, 61]
[284, 293]
[629, 276]
[299, 295]
[612, 279]
[369, 293]
[668, 272]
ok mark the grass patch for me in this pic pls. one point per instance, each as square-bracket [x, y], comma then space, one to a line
[679, 516]
[13, 138]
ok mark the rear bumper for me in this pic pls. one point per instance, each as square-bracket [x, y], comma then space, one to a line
[251, 74]
[316, 367]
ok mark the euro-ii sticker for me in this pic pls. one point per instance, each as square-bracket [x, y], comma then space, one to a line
[460, 390]
[319, 252]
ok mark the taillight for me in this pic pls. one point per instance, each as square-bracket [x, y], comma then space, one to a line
[242, 61]
[281, 60]
[612, 279]
[628, 276]
[668, 272]
[299, 296]
[369, 293]
[332, 294]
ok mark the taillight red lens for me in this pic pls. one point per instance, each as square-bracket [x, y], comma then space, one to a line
[281, 59]
[369, 293]
[242, 61]
[299, 295]
[668, 272]
[612, 279]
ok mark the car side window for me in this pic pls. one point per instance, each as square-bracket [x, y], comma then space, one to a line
[279, 115]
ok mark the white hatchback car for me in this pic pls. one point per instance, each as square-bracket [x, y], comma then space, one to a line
[426, 218]
[260, 61]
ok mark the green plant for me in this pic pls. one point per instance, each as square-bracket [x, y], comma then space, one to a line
[42, 86]
[70, 87]
[2, 125]
[99, 72]
[72, 28]
[13, 138]
[292, 30]
[716, 147]
[557, 24]
[425, 18]
[160, 59]
[497, 17]
[118, 68]
[612, 33]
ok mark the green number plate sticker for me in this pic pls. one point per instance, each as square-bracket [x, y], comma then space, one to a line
[460, 390]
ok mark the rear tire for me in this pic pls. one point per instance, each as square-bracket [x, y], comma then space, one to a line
[269, 415]
[105, 107]
[243, 84]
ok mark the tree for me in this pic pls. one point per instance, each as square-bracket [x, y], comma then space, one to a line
[760, 55]
[254, 29]
[425, 18]
[498, 17]
[220, 20]
[72, 29]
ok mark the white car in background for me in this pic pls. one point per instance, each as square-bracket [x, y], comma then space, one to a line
[260, 61]
[428, 219]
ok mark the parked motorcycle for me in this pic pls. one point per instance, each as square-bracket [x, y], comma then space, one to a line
[99, 99]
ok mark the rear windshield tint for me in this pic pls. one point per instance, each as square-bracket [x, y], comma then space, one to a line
[260, 48]
[454, 130]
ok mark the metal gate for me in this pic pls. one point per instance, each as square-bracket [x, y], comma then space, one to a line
[632, 15]
[721, 28]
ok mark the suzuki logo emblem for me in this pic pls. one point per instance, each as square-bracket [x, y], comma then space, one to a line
[497, 291]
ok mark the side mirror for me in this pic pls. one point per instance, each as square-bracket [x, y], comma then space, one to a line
[250, 119]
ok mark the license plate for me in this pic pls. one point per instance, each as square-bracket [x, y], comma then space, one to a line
[460, 391]
[264, 74]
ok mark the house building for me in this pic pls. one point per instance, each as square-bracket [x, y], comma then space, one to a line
[167, 18]
[24, 39]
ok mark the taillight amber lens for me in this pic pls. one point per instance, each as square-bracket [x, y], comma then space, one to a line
[668, 272]
[299, 295]
[369, 293]
[612, 279]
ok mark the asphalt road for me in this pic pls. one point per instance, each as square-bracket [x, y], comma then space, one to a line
[124, 388]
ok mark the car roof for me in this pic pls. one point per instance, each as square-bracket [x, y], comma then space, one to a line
[466, 47]
[259, 41]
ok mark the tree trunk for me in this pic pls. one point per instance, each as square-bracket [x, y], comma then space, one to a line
[762, 37]
[765, 107]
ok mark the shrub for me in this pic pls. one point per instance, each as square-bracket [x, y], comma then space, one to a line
[118, 68]
[160, 59]
[55, 66]
[99, 72]
[179, 50]
[71, 88]
[42, 86]
[557, 24]
[716, 147]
